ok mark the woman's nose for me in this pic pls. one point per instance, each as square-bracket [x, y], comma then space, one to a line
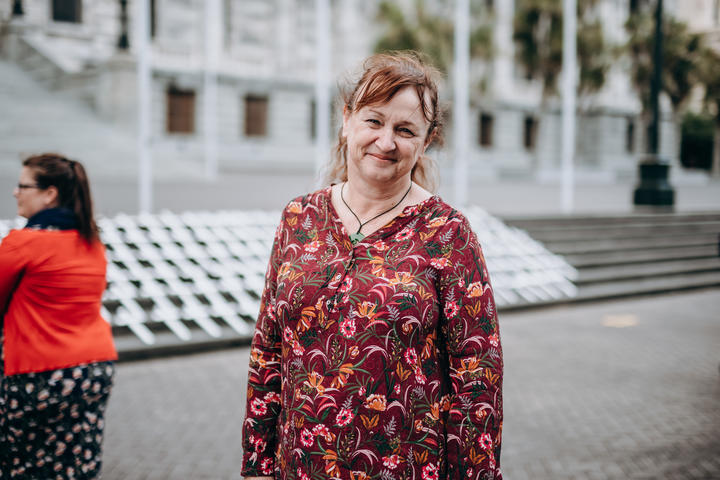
[386, 139]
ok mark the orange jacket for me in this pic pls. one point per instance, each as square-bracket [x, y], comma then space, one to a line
[51, 285]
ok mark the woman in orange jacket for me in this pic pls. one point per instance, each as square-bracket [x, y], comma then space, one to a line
[57, 350]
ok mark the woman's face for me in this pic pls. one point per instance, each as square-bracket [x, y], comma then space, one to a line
[385, 141]
[30, 198]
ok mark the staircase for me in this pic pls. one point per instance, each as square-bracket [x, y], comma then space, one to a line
[36, 119]
[636, 254]
[60, 65]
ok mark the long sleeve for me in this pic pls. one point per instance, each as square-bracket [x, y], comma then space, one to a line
[470, 336]
[11, 267]
[264, 376]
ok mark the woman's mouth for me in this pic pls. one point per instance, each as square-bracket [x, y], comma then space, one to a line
[383, 157]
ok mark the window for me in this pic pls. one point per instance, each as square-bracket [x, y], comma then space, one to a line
[530, 132]
[630, 136]
[256, 110]
[486, 130]
[180, 110]
[67, 11]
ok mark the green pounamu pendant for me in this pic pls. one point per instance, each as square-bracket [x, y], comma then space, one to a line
[356, 237]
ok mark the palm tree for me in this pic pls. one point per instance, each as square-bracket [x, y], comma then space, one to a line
[710, 78]
[538, 37]
[538, 27]
[682, 52]
[431, 32]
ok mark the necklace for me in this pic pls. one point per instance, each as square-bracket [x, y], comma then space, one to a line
[357, 236]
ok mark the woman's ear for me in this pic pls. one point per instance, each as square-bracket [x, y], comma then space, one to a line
[52, 197]
[429, 139]
[346, 119]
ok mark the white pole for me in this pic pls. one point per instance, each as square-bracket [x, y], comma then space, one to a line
[322, 85]
[569, 97]
[144, 61]
[461, 111]
[212, 44]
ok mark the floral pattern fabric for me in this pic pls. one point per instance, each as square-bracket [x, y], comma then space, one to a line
[51, 423]
[375, 361]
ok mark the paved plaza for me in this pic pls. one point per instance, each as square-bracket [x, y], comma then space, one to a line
[628, 389]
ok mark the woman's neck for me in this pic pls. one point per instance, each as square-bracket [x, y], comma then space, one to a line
[367, 200]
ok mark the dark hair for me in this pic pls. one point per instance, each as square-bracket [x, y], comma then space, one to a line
[383, 76]
[70, 179]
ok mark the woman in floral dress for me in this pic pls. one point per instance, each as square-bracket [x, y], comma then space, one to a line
[57, 355]
[376, 353]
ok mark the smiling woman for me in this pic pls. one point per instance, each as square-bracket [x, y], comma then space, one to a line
[376, 352]
[382, 79]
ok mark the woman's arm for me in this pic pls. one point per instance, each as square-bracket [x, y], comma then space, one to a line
[12, 265]
[264, 380]
[470, 336]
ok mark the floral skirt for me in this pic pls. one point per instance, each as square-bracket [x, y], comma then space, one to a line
[51, 423]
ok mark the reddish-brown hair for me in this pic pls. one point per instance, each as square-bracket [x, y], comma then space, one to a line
[383, 76]
[70, 179]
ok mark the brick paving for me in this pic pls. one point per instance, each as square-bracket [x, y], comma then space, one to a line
[628, 389]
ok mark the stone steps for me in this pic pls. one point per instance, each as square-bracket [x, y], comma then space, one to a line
[636, 254]
[641, 230]
[648, 285]
[36, 119]
[590, 260]
[599, 243]
[545, 223]
[612, 273]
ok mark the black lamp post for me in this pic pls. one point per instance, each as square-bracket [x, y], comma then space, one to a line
[654, 188]
[123, 43]
[17, 10]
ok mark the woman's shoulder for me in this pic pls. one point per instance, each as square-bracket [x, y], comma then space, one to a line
[24, 241]
[13, 239]
[298, 205]
[21, 236]
[33, 239]
[435, 207]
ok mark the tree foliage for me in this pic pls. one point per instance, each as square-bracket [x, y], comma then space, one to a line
[431, 32]
[710, 78]
[682, 56]
[538, 37]
[709, 74]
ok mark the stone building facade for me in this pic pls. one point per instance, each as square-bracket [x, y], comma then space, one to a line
[266, 73]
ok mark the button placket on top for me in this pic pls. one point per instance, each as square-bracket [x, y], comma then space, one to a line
[337, 295]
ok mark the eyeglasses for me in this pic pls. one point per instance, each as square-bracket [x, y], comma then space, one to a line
[23, 186]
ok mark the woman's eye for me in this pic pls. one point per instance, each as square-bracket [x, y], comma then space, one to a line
[406, 132]
[373, 121]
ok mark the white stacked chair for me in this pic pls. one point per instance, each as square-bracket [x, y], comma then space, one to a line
[522, 270]
[172, 271]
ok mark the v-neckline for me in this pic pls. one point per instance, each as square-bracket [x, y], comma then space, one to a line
[407, 210]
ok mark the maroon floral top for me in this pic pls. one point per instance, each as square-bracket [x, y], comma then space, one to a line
[378, 361]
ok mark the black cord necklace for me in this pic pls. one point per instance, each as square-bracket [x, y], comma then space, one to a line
[357, 236]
